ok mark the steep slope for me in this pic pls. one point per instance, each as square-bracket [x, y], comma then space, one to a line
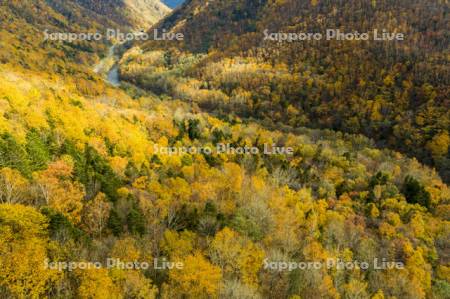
[207, 24]
[24, 25]
[27, 25]
[396, 92]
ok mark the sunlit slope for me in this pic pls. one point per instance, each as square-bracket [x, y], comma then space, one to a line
[27, 25]
[135, 13]
[77, 158]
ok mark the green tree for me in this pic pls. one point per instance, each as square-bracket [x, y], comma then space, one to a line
[38, 151]
[13, 155]
[415, 192]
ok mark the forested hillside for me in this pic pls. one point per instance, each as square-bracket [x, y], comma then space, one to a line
[90, 173]
[396, 92]
[27, 25]
[136, 13]
[80, 181]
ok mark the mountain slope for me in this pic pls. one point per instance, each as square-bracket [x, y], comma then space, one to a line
[396, 92]
[89, 182]
[137, 13]
[26, 24]
[24, 44]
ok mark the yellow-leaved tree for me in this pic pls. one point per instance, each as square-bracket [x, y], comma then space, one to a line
[131, 282]
[96, 283]
[197, 279]
[13, 186]
[23, 251]
[56, 187]
[237, 256]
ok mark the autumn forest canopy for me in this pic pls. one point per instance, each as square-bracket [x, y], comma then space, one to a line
[241, 152]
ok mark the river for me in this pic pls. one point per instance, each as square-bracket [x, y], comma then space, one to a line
[109, 68]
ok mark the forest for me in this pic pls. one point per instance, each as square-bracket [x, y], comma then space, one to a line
[83, 184]
[396, 93]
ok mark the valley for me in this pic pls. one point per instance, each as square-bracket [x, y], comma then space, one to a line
[224, 165]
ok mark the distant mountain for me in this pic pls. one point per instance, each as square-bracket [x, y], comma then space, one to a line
[136, 13]
[173, 3]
